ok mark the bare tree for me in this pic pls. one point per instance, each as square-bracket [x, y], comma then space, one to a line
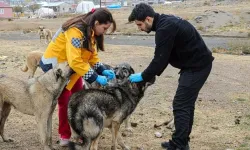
[18, 9]
[34, 7]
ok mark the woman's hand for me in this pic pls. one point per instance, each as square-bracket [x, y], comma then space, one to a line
[109, 73]
[101, 80]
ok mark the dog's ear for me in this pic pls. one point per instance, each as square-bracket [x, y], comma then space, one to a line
[132, 70]
[58, 73]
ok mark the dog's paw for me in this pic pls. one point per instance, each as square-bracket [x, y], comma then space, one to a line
[126, 148]
[49, 148]
[8, 140]
[129, 129]
[113, 148]
[170, 125]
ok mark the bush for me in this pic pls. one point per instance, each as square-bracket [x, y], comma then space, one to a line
[246, 50]
[235, 48]
[201, 28]
[240, 47]
[206, 3]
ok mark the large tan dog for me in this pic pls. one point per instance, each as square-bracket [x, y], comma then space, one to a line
[45, 34]
[32, 62]
[37, 96]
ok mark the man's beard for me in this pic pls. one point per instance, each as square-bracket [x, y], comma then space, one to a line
[148, 27]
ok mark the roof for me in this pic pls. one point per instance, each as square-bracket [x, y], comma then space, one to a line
[74, 5]
[2, 4]
[42, 3]
[53, 4]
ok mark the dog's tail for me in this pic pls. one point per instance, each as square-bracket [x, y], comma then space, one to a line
[25, 68]
[88, 128]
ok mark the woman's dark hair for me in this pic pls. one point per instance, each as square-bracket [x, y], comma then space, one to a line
[87, 21]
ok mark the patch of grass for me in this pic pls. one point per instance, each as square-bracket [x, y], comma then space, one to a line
[246, 51]
[189, 18]
[245, 145]
[219, 50]
[247, 138]
[206, 3]
[201, 28]
[241, 99]
[248, 117]
[241, 28]
[222, 50]
[240, 47]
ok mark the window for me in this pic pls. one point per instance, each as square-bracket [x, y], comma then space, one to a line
[1, 11]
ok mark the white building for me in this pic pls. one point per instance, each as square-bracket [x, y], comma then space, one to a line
[59, 7]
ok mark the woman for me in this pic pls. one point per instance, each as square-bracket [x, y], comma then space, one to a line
[77, 42]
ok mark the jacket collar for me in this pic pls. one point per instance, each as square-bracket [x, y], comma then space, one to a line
[156, 18]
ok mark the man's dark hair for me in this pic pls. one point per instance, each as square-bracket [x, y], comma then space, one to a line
[140, 12]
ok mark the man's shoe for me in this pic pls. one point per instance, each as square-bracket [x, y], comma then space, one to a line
[170, 146]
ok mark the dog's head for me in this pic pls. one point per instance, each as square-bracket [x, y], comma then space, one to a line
[142, 86]
[55, 79]
[123, 71]
[62, 71]
[41, 28]
[138, 89]
[135, 89]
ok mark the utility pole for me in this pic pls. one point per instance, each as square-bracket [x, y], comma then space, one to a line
[122, 3]
[100, 3]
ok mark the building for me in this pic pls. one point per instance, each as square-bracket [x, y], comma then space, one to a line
[16, 2]
[5, 10]
[150, 2]
[59, 7]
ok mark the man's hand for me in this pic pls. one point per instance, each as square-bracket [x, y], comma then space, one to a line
[135, 77]
[109, 73]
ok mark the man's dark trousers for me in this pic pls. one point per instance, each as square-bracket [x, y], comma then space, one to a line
[190, 83]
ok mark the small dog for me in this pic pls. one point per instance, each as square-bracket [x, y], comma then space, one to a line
[37, 96]
[89, 111]
[32, 62]
[45, 34]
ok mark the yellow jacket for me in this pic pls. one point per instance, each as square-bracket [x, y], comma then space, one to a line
[67, 46]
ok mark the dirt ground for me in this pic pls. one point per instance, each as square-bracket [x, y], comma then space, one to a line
[224, 96]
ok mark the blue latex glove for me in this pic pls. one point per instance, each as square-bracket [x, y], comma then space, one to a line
[101, 80]
[109, 73]
[135, 77]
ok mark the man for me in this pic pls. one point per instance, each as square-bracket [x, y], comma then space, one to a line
[177, 43]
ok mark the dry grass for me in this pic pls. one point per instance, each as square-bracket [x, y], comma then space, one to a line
[187, 10]
[234, 47]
